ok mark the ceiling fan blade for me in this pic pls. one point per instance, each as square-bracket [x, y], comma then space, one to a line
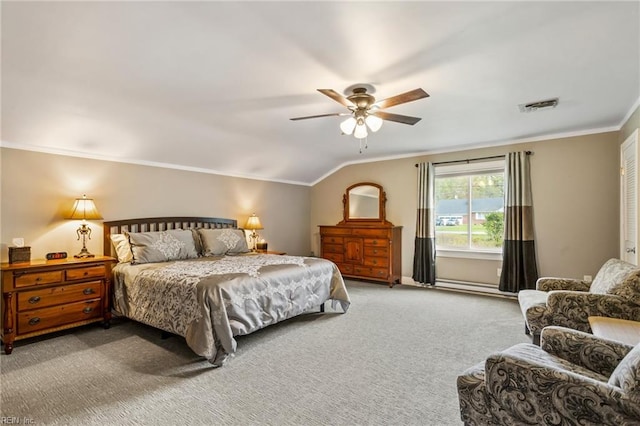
[410, 96]
[320, 115]
[336, 97]
[404, 119]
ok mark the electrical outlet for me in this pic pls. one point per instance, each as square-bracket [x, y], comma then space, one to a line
[499, 272]
[587, 278]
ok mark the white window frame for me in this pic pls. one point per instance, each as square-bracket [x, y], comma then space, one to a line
[466, 169]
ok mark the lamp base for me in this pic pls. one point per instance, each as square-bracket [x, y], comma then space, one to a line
[84, 253]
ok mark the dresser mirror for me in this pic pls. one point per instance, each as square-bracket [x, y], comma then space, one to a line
[364, 202]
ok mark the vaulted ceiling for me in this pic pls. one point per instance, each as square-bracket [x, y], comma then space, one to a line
[212, 86]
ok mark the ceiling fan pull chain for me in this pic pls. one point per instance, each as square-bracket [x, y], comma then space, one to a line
[365, 143]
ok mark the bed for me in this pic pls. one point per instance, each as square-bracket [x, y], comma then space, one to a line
[195, 277]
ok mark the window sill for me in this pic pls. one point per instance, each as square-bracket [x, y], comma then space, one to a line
[470, 254]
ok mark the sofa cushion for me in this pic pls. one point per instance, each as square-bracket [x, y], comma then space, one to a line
[612, 273]
[627, 374]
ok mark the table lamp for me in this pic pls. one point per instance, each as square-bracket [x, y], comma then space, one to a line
[84, 209]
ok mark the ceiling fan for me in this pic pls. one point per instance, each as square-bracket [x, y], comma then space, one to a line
[365, 112]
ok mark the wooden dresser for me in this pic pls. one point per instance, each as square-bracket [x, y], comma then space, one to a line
[40, 297]
[367, 252]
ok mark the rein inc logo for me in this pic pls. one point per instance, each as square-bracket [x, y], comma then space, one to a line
[11, 420]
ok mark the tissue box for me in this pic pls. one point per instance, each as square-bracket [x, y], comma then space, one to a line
[19, 254]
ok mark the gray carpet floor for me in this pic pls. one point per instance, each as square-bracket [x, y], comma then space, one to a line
[392, 359]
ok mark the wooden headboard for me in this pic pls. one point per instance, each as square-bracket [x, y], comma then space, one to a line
[159, 224]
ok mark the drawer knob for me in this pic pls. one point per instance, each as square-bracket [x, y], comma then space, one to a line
[88, 291]
[375, 242]
[86, 273]
[87, 310]
[38, 278]
[375, 262]
[33, 300]
[34, 321]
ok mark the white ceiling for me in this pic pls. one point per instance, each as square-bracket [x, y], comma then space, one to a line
[211, 85]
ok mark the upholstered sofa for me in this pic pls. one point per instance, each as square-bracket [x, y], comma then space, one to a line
[573, 378]
[614, 292]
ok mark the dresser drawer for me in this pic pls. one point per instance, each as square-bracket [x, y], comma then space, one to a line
[332, 248]
[376, 251]
[83, 273]
[332, 240]
[330, 230]
[376, 242]
[334, 257]
[37, 278]
[371, 272]
[378, 262]
[40, 319]
[364, 232]
[58, 295]
[345, 268]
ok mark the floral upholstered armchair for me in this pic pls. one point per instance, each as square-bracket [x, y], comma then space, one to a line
[614, 292]
[574, 378]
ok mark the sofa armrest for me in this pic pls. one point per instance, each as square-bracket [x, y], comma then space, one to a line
[552, 283]
[523, 391]
[584, 349]
[573, 308]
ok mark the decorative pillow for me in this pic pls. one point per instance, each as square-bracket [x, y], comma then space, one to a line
[610, 274]
[218, 242]
[627, 373]
[123, 248]
[162, 246]
[629, 288]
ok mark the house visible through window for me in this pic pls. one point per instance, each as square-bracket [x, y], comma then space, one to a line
[469, 211]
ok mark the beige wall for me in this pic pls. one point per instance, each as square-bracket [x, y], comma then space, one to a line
[575, 191]
[36, 189]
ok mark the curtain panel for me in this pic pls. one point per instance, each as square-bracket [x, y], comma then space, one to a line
[519, 270]
[424, 257]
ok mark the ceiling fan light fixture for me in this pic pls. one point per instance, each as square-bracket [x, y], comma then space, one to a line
[348, 125]
[374, 123]
[361, 131]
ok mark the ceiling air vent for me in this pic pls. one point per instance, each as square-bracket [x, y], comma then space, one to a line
[535, 106]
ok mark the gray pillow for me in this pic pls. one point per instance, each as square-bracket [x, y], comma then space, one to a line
[627, 374]
[162, 246]
[218, 242]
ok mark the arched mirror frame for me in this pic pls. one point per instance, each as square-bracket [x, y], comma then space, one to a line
[382, 199]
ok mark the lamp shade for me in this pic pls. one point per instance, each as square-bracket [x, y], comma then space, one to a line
[361, 131]
[253, 223]
[84, 208]
[348, 125]
[373, 122]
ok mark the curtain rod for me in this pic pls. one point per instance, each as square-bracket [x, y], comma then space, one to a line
[494, 157]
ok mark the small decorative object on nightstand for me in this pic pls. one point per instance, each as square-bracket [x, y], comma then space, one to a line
[85, 209]
[40, 297]
[253, 224]
[262, 245]
[19, 254]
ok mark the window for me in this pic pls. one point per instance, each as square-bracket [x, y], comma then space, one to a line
[469, 209]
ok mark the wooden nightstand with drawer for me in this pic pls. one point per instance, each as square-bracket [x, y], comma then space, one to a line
[40, 297]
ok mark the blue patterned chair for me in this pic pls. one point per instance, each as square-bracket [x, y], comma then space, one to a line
[574, 378]
[614, 292]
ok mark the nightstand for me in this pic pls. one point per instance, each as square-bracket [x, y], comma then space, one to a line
[281, 253]
[40, 297]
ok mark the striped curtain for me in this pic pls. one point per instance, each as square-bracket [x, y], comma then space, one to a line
[424, 257]
[519, 270]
